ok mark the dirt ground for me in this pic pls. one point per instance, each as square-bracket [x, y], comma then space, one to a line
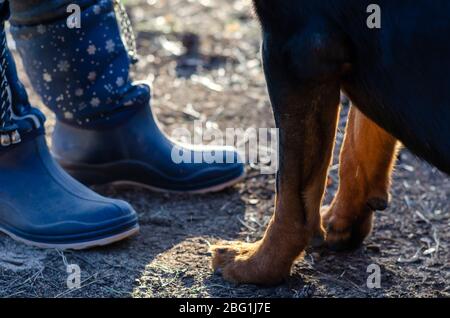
[202, 58]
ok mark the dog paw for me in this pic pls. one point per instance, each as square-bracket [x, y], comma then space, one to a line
[346, 231]
[245, 263]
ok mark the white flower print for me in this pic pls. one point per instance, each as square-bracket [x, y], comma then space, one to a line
[95, 102]
[110, 46]
[68, 115]
[47, 77]
[91, 49]
[120, 81]
[41, 29]
[97, 9]
[79, 92]
[63, 66]
[92, 76]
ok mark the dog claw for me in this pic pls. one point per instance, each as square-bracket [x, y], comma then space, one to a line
[221, 250]
[377, 204]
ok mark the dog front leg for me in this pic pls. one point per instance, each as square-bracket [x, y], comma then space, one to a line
[306, 113]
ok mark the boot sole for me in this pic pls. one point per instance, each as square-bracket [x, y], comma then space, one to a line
[213, 189]
[101, 174]
[76, 246]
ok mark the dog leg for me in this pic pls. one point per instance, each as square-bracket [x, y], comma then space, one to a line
[366, 162]
[306, 113]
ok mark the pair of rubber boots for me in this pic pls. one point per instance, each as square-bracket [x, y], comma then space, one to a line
[105, 133]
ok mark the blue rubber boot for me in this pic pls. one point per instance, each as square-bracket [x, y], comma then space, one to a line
[40, 204]
[105, 130]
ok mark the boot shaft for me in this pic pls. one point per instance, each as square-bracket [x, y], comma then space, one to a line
[82, 74]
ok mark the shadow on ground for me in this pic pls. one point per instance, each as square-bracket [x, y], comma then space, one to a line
[202, 58]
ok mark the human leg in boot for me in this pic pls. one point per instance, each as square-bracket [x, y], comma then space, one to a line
[105, 130]
[40, 204]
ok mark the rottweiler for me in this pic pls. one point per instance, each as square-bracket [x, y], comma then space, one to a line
[397, 77]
